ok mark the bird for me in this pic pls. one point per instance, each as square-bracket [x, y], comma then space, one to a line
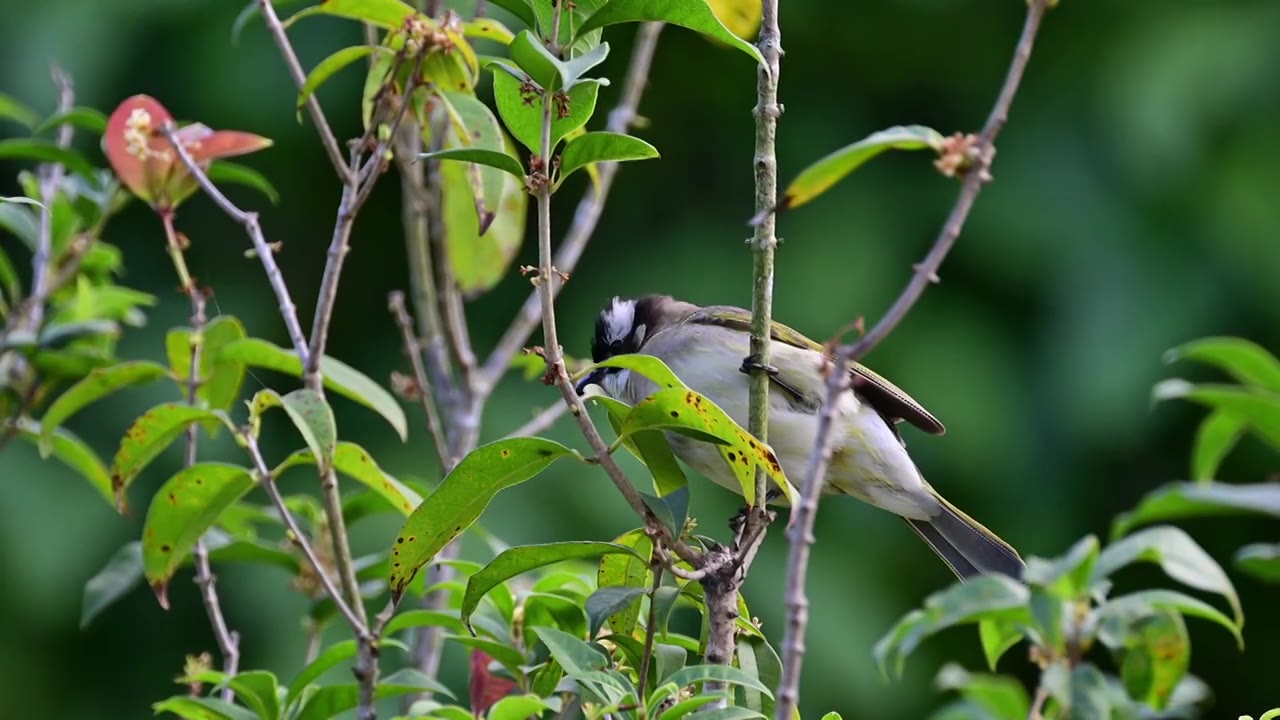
[708, 348]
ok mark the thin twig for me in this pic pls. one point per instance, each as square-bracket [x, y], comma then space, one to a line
[330, 142]
[543, 420]
[50, 179]
[650, 631]
[1037, 706]
[585, 218]
[555, 357]
[800, 536]
[288, 311]
[412, 348]
[977, 175]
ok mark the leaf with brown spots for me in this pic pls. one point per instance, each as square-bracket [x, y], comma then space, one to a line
[310, 414]
[688, 413]
[461, 497]
[181, 511]
[355, 462]
[148, 437]
[95, 386]
[649, 447]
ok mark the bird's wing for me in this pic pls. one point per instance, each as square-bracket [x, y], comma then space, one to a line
[888, 399]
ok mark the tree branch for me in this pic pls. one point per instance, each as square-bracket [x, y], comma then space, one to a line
[976, 175]
[49, 180]
[327, 138]
[585, 218]
[543, 420]
[801, 533]
[412, 348]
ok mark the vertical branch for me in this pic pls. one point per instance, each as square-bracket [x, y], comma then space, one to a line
[650, 630]
[228, 639]
[49, 180]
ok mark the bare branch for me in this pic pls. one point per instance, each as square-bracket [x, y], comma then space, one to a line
[585, 217]
[800, 536]
[543, 420]
[412, 348]
[327, 138]
[977, 175]
[288, 311]
[49, 179]
[650, 630]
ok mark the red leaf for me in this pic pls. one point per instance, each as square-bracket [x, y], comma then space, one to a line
[486, 688]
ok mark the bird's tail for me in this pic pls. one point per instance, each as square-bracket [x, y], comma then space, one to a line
[965, 545]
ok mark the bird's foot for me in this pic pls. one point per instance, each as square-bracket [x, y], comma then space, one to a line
[735, 522]
[752, 363]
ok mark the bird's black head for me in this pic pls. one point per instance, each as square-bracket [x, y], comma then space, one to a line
[623, 326]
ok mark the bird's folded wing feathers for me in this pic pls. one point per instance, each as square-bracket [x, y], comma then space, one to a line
[887, 398]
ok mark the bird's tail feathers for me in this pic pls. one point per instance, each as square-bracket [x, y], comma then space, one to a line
[965, 545]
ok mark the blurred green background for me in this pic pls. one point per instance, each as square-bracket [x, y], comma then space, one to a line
[1133, 209]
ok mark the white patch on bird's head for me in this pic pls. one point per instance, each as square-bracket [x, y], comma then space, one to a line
[619, 319]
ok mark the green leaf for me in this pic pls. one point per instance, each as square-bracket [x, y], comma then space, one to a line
[328, 67]
[45, 151]
[1247, 362]
[487, 29]
[11, 109]
[198, 708]
[1090, 699]
[594, 147]
[1177, 554]
[517, 560]
[533, 57]
[87, 118]
[686, 708]
[647, 365]
[1116, 616]
[423, 618]
[689, 413]
[576, 67]
[120, 575]
[519, 707]
[389, 14]
[1155, 657]
[257, 688]
[985, 597]
[325, 661]
[1261, 561]
[695, 15]
[148, 437]
[826, 172]
[757, 658]
[338, 377]
[732, 712]
[521, 108]
[490, 158]
[719, 673]
[220, 381]
[310, 414]
[630, 570]
[1003, 697]
[355, 462]
[95, 386]
[223, 171]
[1260, 408]
[606, 601]
[574, 655]
[522, 9]
[332, 700]
[9, 281]
[181, 511]
[461, 497]
[997, 637]
[1216, 436]
[1067, 576]
[75, 454]
[1181, 500]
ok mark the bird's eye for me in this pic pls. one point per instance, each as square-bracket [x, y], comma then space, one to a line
[616, 347]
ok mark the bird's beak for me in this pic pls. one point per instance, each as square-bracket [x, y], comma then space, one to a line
[592, 378]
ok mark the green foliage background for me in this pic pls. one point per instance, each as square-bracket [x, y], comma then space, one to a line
[1132, 211]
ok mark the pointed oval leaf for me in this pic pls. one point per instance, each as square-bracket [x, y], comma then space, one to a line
[517, 560]
[1116, 615]
[86, 118]
[487, 29]
[95, 386]
[1216, 436]
[389, 14]
[490, 158]
[578, 66]
[1261, 561]
[121, 574]
[332, 700]
[11, 109]
[1260, 408]
[326, 660]
[1002, 696]
[719, 673]
[575, 655]
[1246, 361]
[338, 377]
[181, 511]
[355, 462]
[1177, 554]
[519, 707]
[594, 147]
[632, 570]
[311, 415]
[329, 66]
[533, 57]
[997, 637]
[423, 618]
[225, 171]
[148, 437]
[46, 151]
[199, 708]
[460, 498]
[689, 413]
[1067, 576]
[606, 601]
[520, 104]
[695, 15]
[522, 9]
[647, 365]
[1155, 658]
[1180, 500]
[821, 175]
[473, 126]
[75, 454]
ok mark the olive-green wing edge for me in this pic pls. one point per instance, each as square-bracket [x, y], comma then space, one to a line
[888, 398]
